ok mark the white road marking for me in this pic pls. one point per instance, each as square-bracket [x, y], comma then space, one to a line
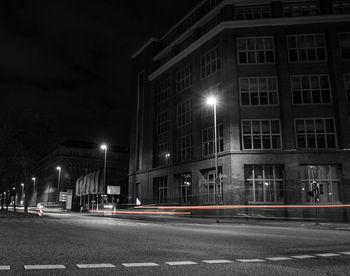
[94, 265]
[217, 261]
[250, 260]
[181, 263]
[345, 253]
[5, 267]
[327, 255]
[44, 267]
[279, 259]
[139, 264]
[303, 257]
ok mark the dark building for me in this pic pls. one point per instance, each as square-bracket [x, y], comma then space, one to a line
[281, 73]
[77, 159]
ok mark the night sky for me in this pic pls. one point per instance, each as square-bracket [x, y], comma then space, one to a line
[69, 62]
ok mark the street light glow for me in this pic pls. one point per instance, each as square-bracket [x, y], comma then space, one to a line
[22, 184]
[211, 100]
[33, 178]
[58, 168]
[104, 147]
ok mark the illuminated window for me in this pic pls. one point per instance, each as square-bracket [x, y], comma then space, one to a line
[264, 183]
[208, 140]
[306, 48]
[184, 148]
[255, 50]
[311, 89]
[185, 188]
[162, 122]
[184, 113]
[252, 12]
[210, 62]
[344, 45]
[317, 133]
[261, 134]
[258, 91]
[163, 154]
[184, 78]
[326, 176]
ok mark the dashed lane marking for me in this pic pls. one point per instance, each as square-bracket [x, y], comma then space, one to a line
[345, 253]
[139, 264]
[181, 263]
[95, 265]
[44, 267]
[5, 267]
[303, 257]
[279, 259]
[250, 260]
[217, 261]
[327, 255]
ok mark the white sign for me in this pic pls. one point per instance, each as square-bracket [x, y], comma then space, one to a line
[113, 190]
[63, 196]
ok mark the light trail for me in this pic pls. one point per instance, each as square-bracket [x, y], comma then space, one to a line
[142, 212]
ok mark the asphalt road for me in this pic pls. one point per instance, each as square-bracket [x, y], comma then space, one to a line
[75, 244]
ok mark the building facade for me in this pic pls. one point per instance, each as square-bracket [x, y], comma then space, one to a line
[281, 73]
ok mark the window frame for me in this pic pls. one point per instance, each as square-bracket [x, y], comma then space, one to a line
[164, 123]
[210, 141]
[348, 44]
[181, 78]
[184, 115]
[183, 149]
[163, 90]
[206, 65]
[252, 7]
[255, 50]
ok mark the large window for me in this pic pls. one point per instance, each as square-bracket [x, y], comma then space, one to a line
[163, 90]
[258, 91]
[184, 113]
[315, 133]
[211, 192]
[326, 175]
[185, 188]
[184, 148]
[344, 45]
[306, 48]
[347, 87]
[163, 154]
[311, 89]
[261, 134]
[342, 6]
[255, 50]
[252, 12]
[210, 62]
[184, 78]
[264, 183]
[301, 9]
[162, 122]
[160, 189]
[208, 140]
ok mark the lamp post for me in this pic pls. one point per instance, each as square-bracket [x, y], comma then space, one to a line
[34, 189]
[23, 192]
[212, 101]
[58, 168]
[104, 148]
[14, 199]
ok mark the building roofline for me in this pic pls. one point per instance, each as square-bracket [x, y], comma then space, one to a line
[152, 39]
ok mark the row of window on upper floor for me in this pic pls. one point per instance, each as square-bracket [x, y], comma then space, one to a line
[257, 134]
[302, 48]
[308, 8]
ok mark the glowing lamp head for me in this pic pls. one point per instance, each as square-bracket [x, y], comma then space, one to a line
[58, 168]
[211, 100]
[33, 178]
[13, 188]
[22, 184]
[104, 147]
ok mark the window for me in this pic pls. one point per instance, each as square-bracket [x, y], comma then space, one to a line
[326, 175]
[184, 113]
[306, 48]
[315, 133]
[340, 7]
[258, 91]
[264, 183]
[211, 192]
[184, 78]
[311, 89]
[163, 154]
[255, 50]
[184, 187]
[208, 140]
[252, 12]
[210, 62]
[344, 45]
[302, 9]
[163, 91]
[184, 148]
[162, 122]
[347, 87]
[160, 188]
[261, 134]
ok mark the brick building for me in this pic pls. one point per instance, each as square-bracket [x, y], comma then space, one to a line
[281, 73]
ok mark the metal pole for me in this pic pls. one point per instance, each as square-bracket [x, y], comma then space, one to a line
[34, 188]
[104, 175]
[216, 166]
[58, 185]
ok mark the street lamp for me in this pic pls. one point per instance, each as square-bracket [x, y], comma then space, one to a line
[58, 168]
[34, 189]
[212, 101]
[104, 148]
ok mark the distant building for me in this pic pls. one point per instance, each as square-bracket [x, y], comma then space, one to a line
[281, 73]
[77, 159]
